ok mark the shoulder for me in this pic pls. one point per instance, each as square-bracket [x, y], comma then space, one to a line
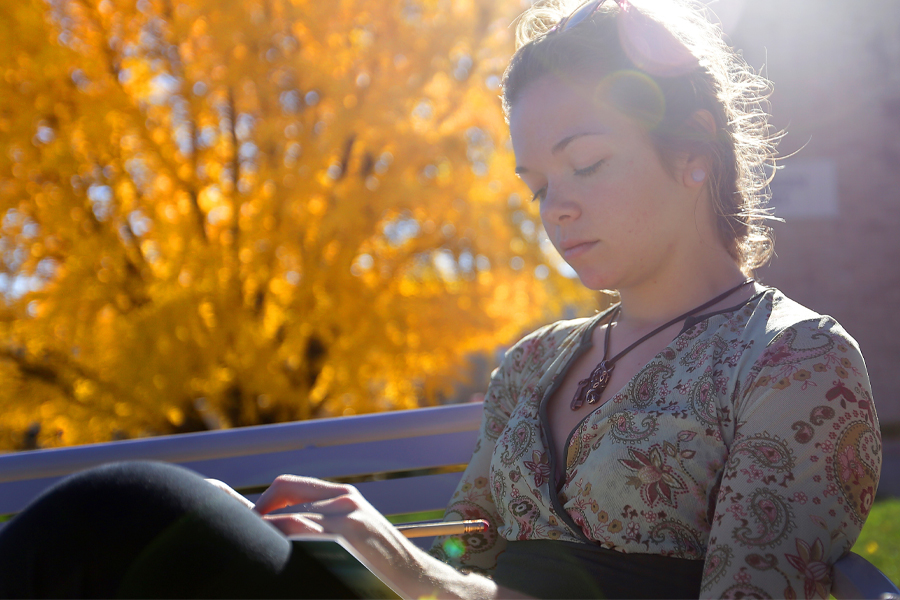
[789, 331]
[768, 330]
[548, 341]
[803, 354]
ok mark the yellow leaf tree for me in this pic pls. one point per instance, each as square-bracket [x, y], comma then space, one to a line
[220, 214]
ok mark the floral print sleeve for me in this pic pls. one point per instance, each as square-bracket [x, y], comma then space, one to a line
[802, 468]
[473, 500]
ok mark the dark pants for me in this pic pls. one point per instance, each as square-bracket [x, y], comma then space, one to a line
[150, 530]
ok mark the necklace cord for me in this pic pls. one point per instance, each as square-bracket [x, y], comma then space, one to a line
[593, 386]
[689, 313]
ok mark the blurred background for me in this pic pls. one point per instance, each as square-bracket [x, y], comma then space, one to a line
[218, 214]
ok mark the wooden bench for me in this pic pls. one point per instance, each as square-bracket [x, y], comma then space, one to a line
[406, 463]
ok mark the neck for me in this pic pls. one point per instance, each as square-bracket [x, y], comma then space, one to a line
[659, 300]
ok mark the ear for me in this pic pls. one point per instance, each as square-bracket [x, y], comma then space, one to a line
[697, 165]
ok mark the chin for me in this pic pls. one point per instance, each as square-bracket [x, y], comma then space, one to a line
[598, 282]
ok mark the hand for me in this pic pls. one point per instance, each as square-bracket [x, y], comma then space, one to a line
[230, 491]
[334, 508]
[340, 509]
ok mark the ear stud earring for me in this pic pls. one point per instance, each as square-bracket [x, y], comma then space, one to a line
[698, 175]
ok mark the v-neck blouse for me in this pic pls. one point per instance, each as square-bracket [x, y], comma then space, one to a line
[750, 441]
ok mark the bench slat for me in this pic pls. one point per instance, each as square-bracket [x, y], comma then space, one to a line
[333, 462]
[330, 462]
[245, 441]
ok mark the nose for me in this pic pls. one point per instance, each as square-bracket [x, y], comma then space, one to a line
[558, 207]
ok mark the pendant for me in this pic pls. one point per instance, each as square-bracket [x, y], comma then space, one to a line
[592, 388]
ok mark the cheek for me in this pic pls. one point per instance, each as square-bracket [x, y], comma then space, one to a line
[641, 220]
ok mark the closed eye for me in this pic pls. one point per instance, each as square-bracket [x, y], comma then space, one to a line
[587, 171]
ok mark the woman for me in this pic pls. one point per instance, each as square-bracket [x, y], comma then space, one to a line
[704, 437]
[728, 445]
[734, 450]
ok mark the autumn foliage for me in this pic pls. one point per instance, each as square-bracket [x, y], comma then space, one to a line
[224, 213]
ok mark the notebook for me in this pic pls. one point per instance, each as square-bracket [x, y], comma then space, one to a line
[356, 577]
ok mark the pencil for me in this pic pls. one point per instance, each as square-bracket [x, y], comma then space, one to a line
[445, 528]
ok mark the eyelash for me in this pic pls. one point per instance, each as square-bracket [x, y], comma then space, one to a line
[585, 172]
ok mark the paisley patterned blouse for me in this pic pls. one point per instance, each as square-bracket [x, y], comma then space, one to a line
[750, 441]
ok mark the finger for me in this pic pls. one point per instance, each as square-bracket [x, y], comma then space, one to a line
[340, 505]
[230, 491]
[294, 524]
[303, 522]
[290, 490]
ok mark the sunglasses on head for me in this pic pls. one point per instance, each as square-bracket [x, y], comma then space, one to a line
[580, 14]
[649, 45]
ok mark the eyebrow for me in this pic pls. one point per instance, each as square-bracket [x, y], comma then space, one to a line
[561, 145]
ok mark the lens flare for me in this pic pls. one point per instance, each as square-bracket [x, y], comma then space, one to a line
[454, 548]
[652, 47]
[635, 94]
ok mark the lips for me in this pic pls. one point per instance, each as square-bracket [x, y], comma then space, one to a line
[574, 249]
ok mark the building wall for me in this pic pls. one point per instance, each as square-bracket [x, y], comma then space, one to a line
[836, 70]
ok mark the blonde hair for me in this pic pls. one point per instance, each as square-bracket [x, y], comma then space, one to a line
[665, 97]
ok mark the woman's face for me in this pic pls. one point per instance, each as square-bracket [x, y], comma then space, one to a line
[610, 207]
